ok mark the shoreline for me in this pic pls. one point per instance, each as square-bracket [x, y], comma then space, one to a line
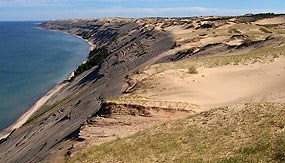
[91, 45]
[5, 133]
[24, 118]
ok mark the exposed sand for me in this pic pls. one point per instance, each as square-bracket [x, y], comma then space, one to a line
[176, 93]
[218, 86]
[124, 121]
[174, 89]
[23, 119]
[277, 20]
[92, 46]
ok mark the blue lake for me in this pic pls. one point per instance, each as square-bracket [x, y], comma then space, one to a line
[32, 61]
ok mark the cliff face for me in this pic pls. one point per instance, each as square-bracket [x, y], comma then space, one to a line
[129, 42]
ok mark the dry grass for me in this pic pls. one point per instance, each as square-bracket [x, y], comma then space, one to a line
[192, 70]
[262, 54]
[247, 133]
[265, 30]
[244, 133]
[134, 99]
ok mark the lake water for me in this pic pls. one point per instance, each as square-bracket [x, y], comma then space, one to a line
[32, 61]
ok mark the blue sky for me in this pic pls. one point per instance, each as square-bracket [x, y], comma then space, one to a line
[63, 9]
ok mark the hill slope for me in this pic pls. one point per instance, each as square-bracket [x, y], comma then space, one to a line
[244, 133]
[122, 45]
[239, 76]
[128, 59]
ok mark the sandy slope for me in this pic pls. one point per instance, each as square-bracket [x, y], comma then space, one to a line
[276, 20]
[124, 121]
[183, 94]
[171, 86]
[135, 44]
[243, 133]
[218, 86]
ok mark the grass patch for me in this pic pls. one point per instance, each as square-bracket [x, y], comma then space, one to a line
[95, 57]
[264, 30]
[46, 108]
[229, 134]
[253, 56]
[233, 31]
[39, 113]
[192, 70]
[269, 25]
[278, 147]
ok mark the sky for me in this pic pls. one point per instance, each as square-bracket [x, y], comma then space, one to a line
[19, 10]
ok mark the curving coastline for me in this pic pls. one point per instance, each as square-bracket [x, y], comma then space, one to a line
[136, 44]
[5, 133]
[83, 97]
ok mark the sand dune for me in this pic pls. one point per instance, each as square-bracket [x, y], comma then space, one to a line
[218, 86]
[276, 20]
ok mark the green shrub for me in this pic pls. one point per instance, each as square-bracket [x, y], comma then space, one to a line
[95, 57]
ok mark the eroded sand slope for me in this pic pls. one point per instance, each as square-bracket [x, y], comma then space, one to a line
[227, 63]
[223, 85]
[157, 69]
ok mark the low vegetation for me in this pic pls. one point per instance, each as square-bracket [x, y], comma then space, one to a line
[234, 31]
[265, 30]
[244, 133]
[40, 113]
[254, 17]
[95, 57]
[257, 55]
[46, 109]
[192, 70]
[247, 133]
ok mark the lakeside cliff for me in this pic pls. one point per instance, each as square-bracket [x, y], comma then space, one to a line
[122, 62]
[130, 42]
